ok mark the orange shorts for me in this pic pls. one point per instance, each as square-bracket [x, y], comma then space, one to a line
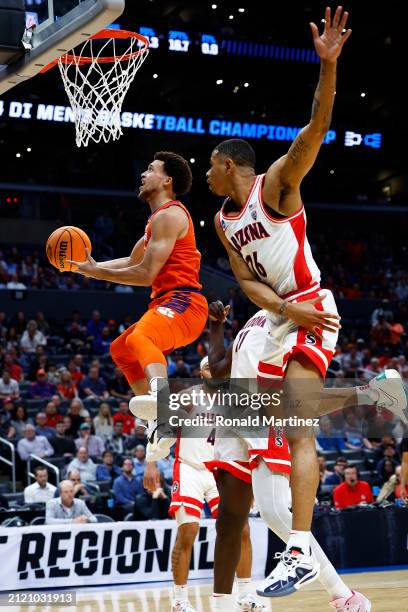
[173, 320]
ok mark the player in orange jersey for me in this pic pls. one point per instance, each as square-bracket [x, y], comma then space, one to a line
[167, 259]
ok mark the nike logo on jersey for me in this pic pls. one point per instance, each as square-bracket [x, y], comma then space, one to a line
[249, 233]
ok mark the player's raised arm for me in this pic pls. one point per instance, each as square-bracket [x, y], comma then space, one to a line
[133, 259]
[290, 169]
[303, 314]
[167, 227]
[219, 358]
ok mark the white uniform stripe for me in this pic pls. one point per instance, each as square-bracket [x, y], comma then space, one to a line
[280, 461]
[239, 467]
[320, 354]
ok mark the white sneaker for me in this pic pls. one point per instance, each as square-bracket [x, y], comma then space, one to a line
[182, 606]
[160, 441]
[249, 603]
[294, 570]
[144, 406]
[356, 603]
[387, 391]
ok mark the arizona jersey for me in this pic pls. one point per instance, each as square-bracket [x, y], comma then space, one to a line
[197, 450]
[247, 345]
[182, 268]
[276, 249]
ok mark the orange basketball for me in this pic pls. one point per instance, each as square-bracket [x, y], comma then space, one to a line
[67, 242]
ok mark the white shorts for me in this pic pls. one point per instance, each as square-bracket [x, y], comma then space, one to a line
[285, 339]
[240, 456]
[191, 488]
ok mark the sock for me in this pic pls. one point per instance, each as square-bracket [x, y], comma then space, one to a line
[221, 601]
[180, 592]
[300, 539]
[244, 586]
[332, 582]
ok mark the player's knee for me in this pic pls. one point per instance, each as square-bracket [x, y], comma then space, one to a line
[186, 535]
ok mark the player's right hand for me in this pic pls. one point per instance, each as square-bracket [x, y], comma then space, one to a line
[151, 480]
[218, 312]
[306, 315]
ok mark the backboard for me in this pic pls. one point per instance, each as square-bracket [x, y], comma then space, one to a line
[60, 25]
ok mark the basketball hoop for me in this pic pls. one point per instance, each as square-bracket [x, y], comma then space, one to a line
[96, 80]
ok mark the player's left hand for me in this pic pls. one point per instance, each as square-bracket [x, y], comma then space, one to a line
[89, 267]
[218, 312]
[329, 45]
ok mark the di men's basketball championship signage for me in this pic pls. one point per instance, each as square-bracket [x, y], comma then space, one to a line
[107, 553]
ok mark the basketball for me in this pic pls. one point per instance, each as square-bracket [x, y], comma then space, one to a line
[64, 243]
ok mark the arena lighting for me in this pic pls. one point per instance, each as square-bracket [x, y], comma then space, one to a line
[28, 149]
[192, 160]
[331, 171]
[18, 154]
[236, 89]
[155, 76]
[219, 81]
[363, 94]
[246, 84]
[202, 223]
[214, 6]
[241, 10]
[231, 17]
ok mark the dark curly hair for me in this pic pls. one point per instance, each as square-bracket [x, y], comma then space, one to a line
[177, 168]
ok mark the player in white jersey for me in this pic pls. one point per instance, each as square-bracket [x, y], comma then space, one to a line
[193, 484]
[263, 228]
[255, 464]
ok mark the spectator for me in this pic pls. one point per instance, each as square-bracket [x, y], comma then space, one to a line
[118, 443]
[41, 427]
[42, 389]
[391, 490]
[101, 345]
[153, 506]
[182, 370]
[386, 442]
[95, 326]
[41, 490]
[329, 439]
[62, 445]
[52, 415]
[324, 472]
[103, 422]
[338, 475]
[7, 411]
[67, 509]
[83, 464]
[11, 365]
[14, 283]
[355, 439]
[352, 492]
[94, 444]
[386, 468]
[139, 436]
[32, 338]
[8, 386]
[118, 386]
[33, 444]
[80, 489]
[107, 470]
[126, 487]
[139, 461]
[69, 431]
[165, 466]
[19, 420]
[125, 417]
[76, 372]
[93, 387]
[66, 388]
[42, 323]
[77, 415]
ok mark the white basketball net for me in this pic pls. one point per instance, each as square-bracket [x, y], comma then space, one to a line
[96, 87]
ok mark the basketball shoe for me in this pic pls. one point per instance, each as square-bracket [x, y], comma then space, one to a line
[182, 606]
[387, 391]
[356, 603]
[144, 406]
[248, 603]
[294, 570]
[160, 440]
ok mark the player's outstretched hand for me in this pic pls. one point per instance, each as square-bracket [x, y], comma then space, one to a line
[329, 44]
[89, 267]
[151, 480]
[218, 312]
[306, 315]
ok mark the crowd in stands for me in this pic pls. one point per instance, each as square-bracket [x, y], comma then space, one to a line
[62, 399]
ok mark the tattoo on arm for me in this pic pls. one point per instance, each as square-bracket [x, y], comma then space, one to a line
[298, 149]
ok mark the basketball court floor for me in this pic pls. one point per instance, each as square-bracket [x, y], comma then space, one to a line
[387, 590]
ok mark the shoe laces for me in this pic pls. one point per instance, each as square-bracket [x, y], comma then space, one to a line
[249, 603]
[287, 564]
